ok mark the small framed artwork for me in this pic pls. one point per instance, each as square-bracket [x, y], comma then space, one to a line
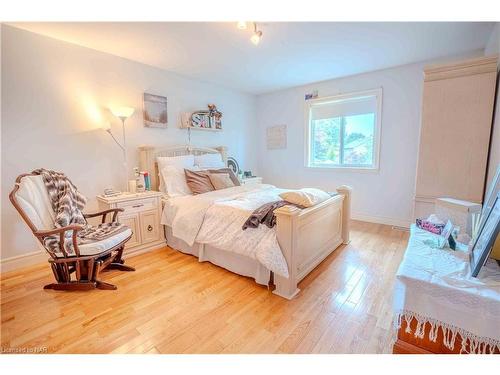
[483, 245]
[155, 111]
[276, 137]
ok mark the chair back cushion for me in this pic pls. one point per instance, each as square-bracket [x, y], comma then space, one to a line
[34, 200]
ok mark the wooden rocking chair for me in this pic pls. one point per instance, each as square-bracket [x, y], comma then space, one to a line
[31, 200]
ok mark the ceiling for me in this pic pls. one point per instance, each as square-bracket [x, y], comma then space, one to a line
[290, 53]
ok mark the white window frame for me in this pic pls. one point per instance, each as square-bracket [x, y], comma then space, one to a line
[376, 138]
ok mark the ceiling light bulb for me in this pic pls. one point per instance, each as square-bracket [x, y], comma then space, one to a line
[256, 37]
[242, 25]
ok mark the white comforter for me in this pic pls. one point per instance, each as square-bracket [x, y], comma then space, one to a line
[216, 218]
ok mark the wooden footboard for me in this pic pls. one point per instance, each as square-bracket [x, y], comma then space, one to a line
[308, 236]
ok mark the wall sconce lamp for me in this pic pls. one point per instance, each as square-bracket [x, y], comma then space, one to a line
[123, 113]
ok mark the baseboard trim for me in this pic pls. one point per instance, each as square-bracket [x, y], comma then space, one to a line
[381, 220]
[24, 260]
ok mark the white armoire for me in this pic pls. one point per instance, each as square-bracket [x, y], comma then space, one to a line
[457, 109]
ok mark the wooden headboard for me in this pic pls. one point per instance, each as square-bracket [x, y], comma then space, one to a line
[148, 155]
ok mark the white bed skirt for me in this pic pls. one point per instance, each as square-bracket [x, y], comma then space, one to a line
[230, 261]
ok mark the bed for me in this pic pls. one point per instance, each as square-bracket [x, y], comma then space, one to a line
[301, 239]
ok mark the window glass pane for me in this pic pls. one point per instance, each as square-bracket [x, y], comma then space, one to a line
[325, 141]
[359, 131]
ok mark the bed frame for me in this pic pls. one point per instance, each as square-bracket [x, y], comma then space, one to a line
[306, 237]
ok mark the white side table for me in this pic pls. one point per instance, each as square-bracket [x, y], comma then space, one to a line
[251, 180]
[142, 212]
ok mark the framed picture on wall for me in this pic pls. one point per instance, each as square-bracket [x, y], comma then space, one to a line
[155, 111]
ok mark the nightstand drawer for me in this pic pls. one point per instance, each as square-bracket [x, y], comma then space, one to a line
[138, 205]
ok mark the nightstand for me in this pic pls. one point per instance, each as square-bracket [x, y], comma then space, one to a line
[142, 212]
[251, 180]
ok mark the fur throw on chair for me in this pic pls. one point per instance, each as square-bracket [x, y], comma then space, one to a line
[68, 204]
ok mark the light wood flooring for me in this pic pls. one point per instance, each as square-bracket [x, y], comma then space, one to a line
[174, 304]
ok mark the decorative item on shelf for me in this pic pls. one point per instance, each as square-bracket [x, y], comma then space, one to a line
[247, 174]
[155, 111]
[123, 113]
[215, 117]
[483, 244]
[210, 119]
[312, 95]
[200, 120]
[233, 165]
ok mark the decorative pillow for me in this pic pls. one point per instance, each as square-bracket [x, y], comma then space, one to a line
[232, 176]
[198, 181]
[174, 181]
[183, 161]
[221, 180]
[207, 161]
[306, 197]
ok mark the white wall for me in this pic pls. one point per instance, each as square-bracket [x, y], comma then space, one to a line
[51, 93]
[384, 196]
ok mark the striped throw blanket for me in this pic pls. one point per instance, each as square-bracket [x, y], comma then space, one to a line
[68, 203]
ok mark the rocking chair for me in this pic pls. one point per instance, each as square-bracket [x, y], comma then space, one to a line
[85, 263]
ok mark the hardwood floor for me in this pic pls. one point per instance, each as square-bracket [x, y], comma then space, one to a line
[174, 304]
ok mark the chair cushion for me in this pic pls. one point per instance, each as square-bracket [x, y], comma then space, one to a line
[34, 200]
[97, 247]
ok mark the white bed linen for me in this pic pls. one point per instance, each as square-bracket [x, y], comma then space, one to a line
[216, 218]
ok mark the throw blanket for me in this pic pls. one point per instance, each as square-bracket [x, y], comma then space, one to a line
[67, 203]
[434, 287]
[265, 214]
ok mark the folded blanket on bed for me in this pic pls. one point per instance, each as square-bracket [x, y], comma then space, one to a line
[265, 214]
[67, 203]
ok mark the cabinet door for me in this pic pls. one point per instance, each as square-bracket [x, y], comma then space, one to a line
[150, 230]
[132, 221]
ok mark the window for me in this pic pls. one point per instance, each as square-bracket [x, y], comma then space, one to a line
[344, 131]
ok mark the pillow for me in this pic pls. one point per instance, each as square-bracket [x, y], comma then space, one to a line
[198, 181]
[229, 171]
[207, 161]
[221, 180]
[183, 161]
[174, 181]
[306, 197]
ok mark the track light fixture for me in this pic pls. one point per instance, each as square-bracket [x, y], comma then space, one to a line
[257, 34]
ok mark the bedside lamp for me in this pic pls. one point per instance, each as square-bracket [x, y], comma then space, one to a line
[123, 113]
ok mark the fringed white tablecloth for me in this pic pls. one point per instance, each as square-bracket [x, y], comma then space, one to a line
[434, 286]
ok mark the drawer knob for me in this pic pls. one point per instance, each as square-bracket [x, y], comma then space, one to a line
[138, 205]
[150, 228]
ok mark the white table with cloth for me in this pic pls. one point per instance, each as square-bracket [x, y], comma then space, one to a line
[434, 286]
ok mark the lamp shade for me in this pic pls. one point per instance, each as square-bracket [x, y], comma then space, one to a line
[122, 112]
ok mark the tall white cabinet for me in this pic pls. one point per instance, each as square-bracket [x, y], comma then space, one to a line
[457, 110]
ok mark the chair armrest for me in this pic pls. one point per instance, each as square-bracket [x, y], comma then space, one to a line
[41, 234]
[104, 214]
[45, 233]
